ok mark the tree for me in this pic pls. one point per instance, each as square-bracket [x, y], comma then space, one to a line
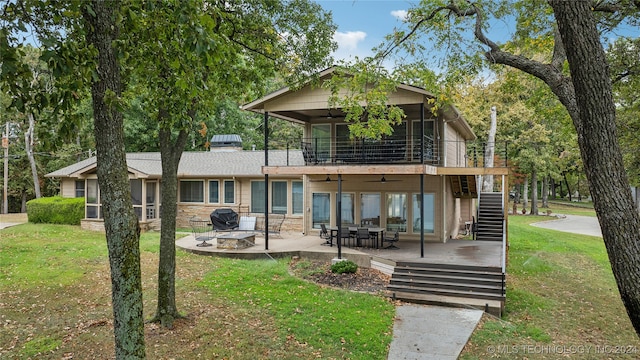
[120, 221]
[190, 55]
[585, 91]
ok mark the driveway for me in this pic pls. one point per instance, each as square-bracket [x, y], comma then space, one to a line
[585, 225]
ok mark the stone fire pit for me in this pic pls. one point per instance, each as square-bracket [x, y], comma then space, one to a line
[236, 240]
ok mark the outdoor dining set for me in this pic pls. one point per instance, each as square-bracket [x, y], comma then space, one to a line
[352, 235]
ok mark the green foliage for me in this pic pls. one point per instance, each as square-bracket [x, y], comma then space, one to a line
[344, 266]
[56, 210]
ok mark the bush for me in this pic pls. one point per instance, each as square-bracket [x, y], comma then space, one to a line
[56, 210]
[345, 266]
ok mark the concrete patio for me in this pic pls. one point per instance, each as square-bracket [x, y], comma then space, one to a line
[463, 252]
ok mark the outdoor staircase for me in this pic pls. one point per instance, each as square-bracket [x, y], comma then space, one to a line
[464, 186]
[450, 285]
[490, 226]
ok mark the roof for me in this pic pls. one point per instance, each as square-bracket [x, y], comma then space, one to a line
[192, 164]
[226, 140]
[310, 103]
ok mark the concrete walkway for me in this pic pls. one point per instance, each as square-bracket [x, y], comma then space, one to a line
[422, 332]
[584, 225]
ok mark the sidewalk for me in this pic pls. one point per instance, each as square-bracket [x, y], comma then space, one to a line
[422, 332]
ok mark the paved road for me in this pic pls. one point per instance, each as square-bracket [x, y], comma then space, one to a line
[585, 225]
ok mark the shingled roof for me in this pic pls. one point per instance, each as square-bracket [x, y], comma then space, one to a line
[194, 164]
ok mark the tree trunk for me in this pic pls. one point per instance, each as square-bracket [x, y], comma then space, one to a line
[171, 153]
[534, 192]
[601, 154]
[120, 221]
[28, 146]
[525, 193]
[568, 187]
[545, 192]
[487, 180]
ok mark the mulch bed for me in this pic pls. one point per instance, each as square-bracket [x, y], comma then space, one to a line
[365, 279]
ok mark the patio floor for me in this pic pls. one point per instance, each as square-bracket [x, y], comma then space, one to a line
[467, 252]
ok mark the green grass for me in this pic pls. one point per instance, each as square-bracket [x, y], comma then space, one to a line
[307, 312]
[55, 302]
[560, 292]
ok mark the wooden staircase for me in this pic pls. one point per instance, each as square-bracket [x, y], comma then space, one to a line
[490, 226]
[464, 186]
[449, 284]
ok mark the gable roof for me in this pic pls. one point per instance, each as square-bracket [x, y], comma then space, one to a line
[192, 164]
[310, 103]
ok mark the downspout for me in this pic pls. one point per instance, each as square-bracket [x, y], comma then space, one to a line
[266, 181]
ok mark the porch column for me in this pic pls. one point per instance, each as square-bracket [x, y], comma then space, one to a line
[339, 215]
[422, 180]
[266, 181]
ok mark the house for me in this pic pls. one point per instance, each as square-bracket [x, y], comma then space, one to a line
[428, 169]
[225, 177]
[420, 181]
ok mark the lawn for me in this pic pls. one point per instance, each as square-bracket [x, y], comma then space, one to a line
[55, 304]
[562, 301]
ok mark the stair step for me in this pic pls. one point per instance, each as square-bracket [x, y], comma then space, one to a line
[494, 289]
[489, 281]
[492, 306]
[462, 274]
[438, 266]
[445, 292]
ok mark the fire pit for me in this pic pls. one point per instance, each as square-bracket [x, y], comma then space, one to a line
[236, 240]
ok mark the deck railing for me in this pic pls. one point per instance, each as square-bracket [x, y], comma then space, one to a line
[338, 151]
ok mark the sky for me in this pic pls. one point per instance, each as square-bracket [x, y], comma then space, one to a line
[362, 24]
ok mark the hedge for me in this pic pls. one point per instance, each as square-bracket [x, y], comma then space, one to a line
[56, 210]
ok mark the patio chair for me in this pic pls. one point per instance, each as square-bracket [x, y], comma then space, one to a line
[324, 234]
[202, 231]
[345, 234]
[362, 236]
[392, 240]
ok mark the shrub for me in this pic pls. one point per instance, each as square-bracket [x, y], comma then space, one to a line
[56, 210]
[345, 266]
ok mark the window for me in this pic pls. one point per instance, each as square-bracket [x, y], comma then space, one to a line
[93, 208]
[229, 192]
[151, 200]
[214, 191]
[136, 196]
[257, 196]
[192, 191]
[80, 188]
[347, 209]
[429, 213]
[397, 212]
[370, 209]
[321, 140]
[297, 197]
[321, 204]
[279, 197]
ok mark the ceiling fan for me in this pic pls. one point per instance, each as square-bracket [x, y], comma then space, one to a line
[327, 179]
[383, 180]
[334, 116]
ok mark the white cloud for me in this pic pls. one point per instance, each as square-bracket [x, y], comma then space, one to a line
[399, 14]
[349, 40]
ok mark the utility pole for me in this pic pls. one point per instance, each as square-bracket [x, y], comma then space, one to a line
[5, 145]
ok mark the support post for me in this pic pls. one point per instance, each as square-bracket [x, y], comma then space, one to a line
[339, 215]
[266, 181]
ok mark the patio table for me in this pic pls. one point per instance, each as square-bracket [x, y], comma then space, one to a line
[377, 231]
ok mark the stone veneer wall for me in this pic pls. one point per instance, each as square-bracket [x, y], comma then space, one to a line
[292, 223]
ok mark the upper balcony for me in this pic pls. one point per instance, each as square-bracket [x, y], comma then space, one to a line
[400, 151]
